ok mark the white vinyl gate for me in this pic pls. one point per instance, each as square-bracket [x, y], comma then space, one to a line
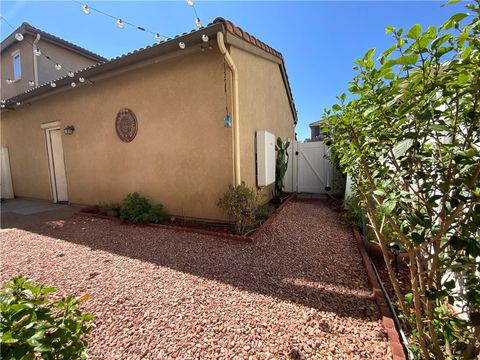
[310, 169]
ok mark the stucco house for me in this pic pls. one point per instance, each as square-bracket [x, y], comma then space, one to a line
[315, 130]
[176, 121]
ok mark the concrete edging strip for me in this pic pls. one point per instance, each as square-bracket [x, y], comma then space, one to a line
[393, 336]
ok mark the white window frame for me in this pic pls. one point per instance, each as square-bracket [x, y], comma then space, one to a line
[14, 55]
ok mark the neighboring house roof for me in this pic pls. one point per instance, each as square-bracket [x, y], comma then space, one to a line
[316, 123]
[164, 47]
[27, 29]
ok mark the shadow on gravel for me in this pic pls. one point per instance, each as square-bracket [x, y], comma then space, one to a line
[306, 256]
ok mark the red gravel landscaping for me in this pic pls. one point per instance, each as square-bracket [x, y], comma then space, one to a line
[299, 291]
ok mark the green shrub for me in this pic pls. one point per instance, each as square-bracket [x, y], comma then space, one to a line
[135, 208]
[32, 326]
[156, 214]
[354, 211]
[238, 202]
[263, 212]
[109, 208]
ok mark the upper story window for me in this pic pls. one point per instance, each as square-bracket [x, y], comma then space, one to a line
[17, 65]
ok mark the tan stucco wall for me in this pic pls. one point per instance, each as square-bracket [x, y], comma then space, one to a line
[68, 59]
[181, 156]
[26, 61]
[264, 105]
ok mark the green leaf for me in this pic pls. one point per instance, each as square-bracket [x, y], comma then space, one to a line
[7, 338]
[379, 193]
[415, 32]
[450, 2]
[402, 147]
[407, 59]
[389, 29]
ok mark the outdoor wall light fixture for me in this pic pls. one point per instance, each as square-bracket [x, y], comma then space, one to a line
[69, 130]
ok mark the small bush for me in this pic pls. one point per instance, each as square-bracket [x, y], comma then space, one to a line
[354, 211]
[135, 208]
[156, 214]
[110, 209]
[32, 326]
[263, 212]
[238, 202]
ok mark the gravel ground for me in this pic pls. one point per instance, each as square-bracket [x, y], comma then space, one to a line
[300, 291]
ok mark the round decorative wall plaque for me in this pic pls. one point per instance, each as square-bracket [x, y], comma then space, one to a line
[126, 125]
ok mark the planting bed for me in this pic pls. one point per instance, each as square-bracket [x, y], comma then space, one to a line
[299, 292]
[224, 230]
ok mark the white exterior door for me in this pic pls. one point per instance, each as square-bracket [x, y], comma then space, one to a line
[58, 178]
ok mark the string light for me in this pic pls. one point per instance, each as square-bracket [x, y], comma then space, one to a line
[2, 106]
[9, 81]
[73, 84]
[31, 83]
[190, 2]
[58, 66]
[70, 74]
[198, 23]
[19, 103]
[181, 44]
[19, 37]
[37, 52]
[81, 79]
[120, 23]
[205, 38]
[86, 9]
[158, 38]
[3, 101]
[53, 84]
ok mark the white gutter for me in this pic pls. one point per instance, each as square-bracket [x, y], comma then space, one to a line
[235, 115]
[35, 63]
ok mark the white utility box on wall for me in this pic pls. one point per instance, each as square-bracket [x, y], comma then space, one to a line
[265, 158]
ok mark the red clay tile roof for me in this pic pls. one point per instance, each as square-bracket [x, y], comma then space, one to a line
[231, 28]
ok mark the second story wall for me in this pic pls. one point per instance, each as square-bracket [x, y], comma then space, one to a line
[68, 59]
[20, 85]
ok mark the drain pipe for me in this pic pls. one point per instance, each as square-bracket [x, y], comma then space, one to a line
[236, 117]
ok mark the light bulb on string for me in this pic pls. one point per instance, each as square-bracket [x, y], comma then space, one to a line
[71, 74]
[158, 38]
[53, 84]
[181, 44]
[73, 84]
[198, 23]
[19, 103]
[86, 9]
[3, 101]
[58, 66]
[2, 106]
[120, 24]
[81, 79]
[205, 38]
[37, 52]
[9, 81]
[190, 2]
[31, 83]
[19, 37]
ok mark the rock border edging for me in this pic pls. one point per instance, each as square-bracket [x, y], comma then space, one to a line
[387, 321]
